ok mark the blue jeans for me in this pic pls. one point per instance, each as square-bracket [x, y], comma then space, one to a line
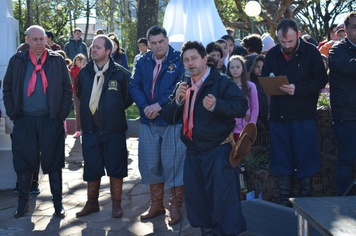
[346, 142]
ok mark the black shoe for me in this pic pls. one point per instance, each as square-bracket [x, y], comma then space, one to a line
[21, 210]
[16, 189]
[34, 188]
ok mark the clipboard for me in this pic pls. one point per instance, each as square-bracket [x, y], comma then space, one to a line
[271, 84]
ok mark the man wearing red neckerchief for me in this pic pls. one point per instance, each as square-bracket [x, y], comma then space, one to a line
[209, 102]
[37, 96]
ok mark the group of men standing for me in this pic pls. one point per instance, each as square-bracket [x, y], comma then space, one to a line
[186, 122]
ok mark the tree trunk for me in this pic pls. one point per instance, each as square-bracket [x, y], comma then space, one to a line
[111, 17]
[70, 17]
[37, 13]
[29, 16]
[20, 21]
[87, 13]
[147, 17]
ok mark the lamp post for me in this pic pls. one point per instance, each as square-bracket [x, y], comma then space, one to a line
[252, 9]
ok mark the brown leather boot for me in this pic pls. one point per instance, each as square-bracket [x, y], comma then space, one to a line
[92, 204]
[175, 204]
[156, 208]
[116, 191]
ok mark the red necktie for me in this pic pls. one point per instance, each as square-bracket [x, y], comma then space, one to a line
[33, 78]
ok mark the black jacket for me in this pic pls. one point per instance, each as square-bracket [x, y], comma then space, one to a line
[305, 69]
[59, 90]
[210, 128]
[342, 63]
[114, 99]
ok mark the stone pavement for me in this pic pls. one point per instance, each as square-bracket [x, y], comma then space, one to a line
[135, 200]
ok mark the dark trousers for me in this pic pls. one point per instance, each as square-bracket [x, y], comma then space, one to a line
[212, 192]
[346, 142]
[294, 148]
[38, 134]
[104, 151]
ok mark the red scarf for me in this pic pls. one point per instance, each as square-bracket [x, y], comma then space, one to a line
[33, 78]
[188, 125]
[74, 70]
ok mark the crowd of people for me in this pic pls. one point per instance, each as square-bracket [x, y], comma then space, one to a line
[191, 103]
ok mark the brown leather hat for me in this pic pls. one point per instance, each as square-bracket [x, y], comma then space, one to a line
[243, 145]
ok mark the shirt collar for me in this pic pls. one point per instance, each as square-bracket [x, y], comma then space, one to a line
[295, 49]
[351, 42]
[206, 75]
[165, 57]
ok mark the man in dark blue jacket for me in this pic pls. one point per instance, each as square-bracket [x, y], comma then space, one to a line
[294, 145]
[75, 45]
[102, 88]
[160, 151]
[342, 63]
[37, 97]
[209, 108]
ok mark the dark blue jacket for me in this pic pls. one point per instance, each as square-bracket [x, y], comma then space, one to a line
[114, 99]
[74, 47]
[120, 59]
[141, 82]
[342, 63]
[305, 69]
[210, 128]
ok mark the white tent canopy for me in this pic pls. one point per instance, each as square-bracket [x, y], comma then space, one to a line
[195, 20]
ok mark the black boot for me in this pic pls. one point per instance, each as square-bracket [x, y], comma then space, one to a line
[25, 181]
[55, 181]
[285, 189]
[305, 186]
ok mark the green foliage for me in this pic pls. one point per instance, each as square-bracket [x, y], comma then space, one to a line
[227, 10]
[324, 100]
[263, 160]
[129, 37]
[132, 112]
[46, 14]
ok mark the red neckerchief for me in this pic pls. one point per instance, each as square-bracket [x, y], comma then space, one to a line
[33, 78]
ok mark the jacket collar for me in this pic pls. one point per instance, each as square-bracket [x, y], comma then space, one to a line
[350, 44]
[24, 54]
[213, 76]
[301, 47]
[171, 56]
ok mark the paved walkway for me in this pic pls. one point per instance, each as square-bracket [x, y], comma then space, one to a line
[135, 200]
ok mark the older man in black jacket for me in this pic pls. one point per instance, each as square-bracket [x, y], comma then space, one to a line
[342, 62]
[294, 145]
[102, 88]
[37, 97]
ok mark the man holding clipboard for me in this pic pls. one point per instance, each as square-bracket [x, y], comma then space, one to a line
[294, 145]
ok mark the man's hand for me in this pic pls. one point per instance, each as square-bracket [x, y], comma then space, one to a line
[209, 102]
[288, 89]
[181, 91]
[152, 111]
